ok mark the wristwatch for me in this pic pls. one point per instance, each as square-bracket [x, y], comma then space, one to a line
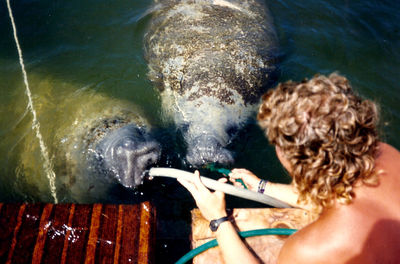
[214, 224]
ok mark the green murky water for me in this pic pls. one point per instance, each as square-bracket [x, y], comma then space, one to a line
[73, 47]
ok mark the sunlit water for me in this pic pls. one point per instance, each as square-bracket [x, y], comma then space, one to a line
[74, 47]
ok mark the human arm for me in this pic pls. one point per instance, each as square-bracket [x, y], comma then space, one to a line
[212, 206]
[232, 247]
[283, 192]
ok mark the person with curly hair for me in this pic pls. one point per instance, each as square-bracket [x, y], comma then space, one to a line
[325, 136]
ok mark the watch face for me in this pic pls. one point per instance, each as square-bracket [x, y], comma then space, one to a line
[214, 225]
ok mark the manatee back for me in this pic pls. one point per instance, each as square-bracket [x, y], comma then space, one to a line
[212, 48]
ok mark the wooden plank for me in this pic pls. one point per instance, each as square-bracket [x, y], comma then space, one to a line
[27, 234]
[93, 235]
[107, 235]
[42, 235]
[8, 222]
[130, 234]
[56, 232]
[147, 217]
[68, 235]
[79, 233]
[15, 233]
[119, 234]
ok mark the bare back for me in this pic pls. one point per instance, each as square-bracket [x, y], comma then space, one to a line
[366, 231]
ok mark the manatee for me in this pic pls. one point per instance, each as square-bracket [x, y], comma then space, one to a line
[112, 146]
[211, 60]
[95, 142]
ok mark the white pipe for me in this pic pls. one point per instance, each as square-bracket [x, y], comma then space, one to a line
[219, 186]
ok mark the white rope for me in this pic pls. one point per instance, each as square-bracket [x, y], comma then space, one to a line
[35, 123]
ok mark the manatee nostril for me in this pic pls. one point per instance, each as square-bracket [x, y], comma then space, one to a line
[151, 154]
[129, 144]
[120, 151]
[152, 159]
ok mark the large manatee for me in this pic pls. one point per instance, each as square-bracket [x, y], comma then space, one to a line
[95, 143]
[211, 60]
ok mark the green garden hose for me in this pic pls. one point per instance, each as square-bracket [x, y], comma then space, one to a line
[223, 171]
[213, 243]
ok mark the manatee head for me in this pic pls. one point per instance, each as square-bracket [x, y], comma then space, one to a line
[207, 138]
[126, 152]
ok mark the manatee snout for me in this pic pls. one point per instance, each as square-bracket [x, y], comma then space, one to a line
[131, 158]
[127, 153]
[206, 149]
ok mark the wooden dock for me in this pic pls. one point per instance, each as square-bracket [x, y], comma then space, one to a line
[74, 233]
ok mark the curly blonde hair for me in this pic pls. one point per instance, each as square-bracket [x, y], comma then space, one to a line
[326, 132]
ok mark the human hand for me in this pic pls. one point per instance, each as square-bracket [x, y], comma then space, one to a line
[249, 178]
[211, 204]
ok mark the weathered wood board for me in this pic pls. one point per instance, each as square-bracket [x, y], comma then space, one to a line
[266, 247]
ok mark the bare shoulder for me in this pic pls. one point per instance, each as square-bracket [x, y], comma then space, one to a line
[318, 240]
[293, 252]
[387, 154]
[386, 146]
[388, 163]
[301, 248]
